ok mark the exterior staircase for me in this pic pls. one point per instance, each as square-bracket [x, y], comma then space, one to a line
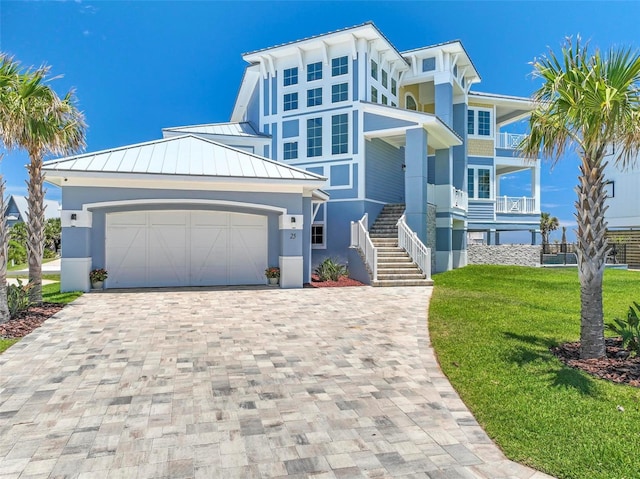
[395, 267]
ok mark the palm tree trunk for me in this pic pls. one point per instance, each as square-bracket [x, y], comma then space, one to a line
[35, 225]
[4, 305]
[591, 252]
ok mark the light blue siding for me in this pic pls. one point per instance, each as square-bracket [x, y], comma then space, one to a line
[443, 239]
[507, 153]
[444, 102]
[476, 161]
[442, 164]
[290, 128]
[376, 122]
[480, 211]
[339, 175]
[384, 177]
[431, 172]
[316, 169]
[253, 108]
[459, 152]
[415, 182]
[346, 193]
[274, 141]
[354, 85]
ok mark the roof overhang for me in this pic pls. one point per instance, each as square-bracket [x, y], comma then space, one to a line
[509, 109]
[248, 84]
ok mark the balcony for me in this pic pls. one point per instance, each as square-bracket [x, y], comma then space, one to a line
[516, 205]
[448, 197]
[509, 141]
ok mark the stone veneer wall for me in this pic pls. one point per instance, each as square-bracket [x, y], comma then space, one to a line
[507, 254]
[431, 234]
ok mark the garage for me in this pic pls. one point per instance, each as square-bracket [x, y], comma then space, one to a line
[185, 248]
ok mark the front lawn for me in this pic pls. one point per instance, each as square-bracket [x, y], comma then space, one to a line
[492, 327]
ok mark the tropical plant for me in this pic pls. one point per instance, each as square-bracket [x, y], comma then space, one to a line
[33, 117]
[16, 253]
[18, 298]
[98, 274]
[272, 272]
[52, 233]
[548, 224]
[330, 270]
[629, 329]
[588, 102]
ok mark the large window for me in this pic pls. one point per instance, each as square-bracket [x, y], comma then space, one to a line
[314, 71]
[339, 134]
[479, 122]
[339, 66]
[290, 150]
[290, 101]
[314, 97]
[339, 92]
[290, 76]
[479, 183]
[314, 137]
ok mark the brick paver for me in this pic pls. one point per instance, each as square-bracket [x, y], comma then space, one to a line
[255, 382]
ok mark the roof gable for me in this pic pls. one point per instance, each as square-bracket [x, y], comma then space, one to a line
[241, 129]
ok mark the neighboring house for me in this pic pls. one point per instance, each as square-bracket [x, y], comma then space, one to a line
[623, 210]
[17, 210]
[378, 125]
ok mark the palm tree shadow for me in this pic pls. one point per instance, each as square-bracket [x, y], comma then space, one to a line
[536, 349]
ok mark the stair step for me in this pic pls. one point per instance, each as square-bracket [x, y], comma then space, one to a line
[393, 254]
[383, 277]
[396, 265]
[408, 282]
[410, 270]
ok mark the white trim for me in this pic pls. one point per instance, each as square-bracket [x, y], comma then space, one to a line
[324, 235]
[74, 274]
[492, 182]
[349, 185]
[291, 271]
[492, 120]
[170, 202]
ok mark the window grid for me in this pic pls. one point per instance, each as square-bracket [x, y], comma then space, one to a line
[394, 87]
[317, 234]
[471, 183]
[314, 137]
[339, 66]
[339, 92]
[384, 80]
[484, 183]
[290, 150]
[470, 122]
[339, 134]
[290, 101]
[374, 95]
[484, 123]
[374, 70]
[385, 101]
[314, 71]
[314, 97]
[290, 76]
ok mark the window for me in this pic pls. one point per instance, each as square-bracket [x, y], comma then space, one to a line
[384, 79]
[385, 101]
[339, 92]
[314, 71]
[291, 150]
[479, 183]
[317, 235]
[393, 103]
[394, 87]
[314, 137]
[339, 134]
[410, 102]
[374, 70]
[291, 76]
[314, 97]
[374, 95]
[479, 122]
[290, 101]
[339, 66]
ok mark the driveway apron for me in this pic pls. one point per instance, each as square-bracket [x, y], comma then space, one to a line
[238, 382]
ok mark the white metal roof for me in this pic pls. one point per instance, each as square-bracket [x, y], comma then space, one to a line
[186, 155]
[244, 129]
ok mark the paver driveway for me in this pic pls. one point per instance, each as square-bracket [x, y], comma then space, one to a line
[238, 383]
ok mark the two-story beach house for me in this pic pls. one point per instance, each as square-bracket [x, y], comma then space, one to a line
[339, 145]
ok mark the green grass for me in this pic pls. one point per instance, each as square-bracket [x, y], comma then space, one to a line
[492, 327]
[5, 343]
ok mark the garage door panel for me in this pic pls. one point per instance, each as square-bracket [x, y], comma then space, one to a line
[184, 248]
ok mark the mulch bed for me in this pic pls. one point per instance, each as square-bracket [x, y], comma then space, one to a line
[31, 319]
[343, 281]
[612, 368]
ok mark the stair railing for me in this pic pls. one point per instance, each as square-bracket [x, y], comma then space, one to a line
[360, 239]
[409, 241]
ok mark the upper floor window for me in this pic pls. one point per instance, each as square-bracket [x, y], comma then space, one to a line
[410, 102]
[314, 71]
[385, 101]
[314, 97]
[339, 66]
[290, 76]
[374, 70]
[479, 183]
[290, 150]
[290, 101]
[479, 122]
[339, 134]
[314, 137]
[384, 79]
[339, 92]
[394, 87]
[374, 95]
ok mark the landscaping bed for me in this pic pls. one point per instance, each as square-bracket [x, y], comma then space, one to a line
[342, 282]
[29, 320]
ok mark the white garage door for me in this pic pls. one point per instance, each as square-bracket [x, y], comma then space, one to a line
[185, 248]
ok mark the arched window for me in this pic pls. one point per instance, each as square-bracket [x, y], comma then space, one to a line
[410, 102]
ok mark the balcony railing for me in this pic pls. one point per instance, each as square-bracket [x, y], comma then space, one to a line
[447, 196]
[360, 240]
[516, 205]
[509, 141]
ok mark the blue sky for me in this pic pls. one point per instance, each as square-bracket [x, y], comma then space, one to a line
[140, 66]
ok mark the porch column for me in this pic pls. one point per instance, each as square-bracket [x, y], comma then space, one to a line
[459, 243]
[415, 182]
[291, 250]
[76, 262]
[535, 185]
[491, 237]
[534, 237]
[497, 234]
[307, 209]
[444, 219]
[459, 152]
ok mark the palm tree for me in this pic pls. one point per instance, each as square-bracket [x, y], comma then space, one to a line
[40, 122]
[588, 102]
[548, 224]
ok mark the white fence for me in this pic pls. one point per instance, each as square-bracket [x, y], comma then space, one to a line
[515, 205]
[509, 141]
[360, 239]
[409, 241]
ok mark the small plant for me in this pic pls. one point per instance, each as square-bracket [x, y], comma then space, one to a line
[628, 329]
[272, 272]
[99, 274]
[331, 270]
[18, 298]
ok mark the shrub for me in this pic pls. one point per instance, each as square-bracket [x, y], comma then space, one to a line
[49, 254]
[331, 270]
[18, 298]
[98, 274]
[628, 329]
[16, 253]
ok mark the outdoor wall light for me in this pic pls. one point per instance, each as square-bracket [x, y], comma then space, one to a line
[74, 218]
[404, 167]
[293, 219]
